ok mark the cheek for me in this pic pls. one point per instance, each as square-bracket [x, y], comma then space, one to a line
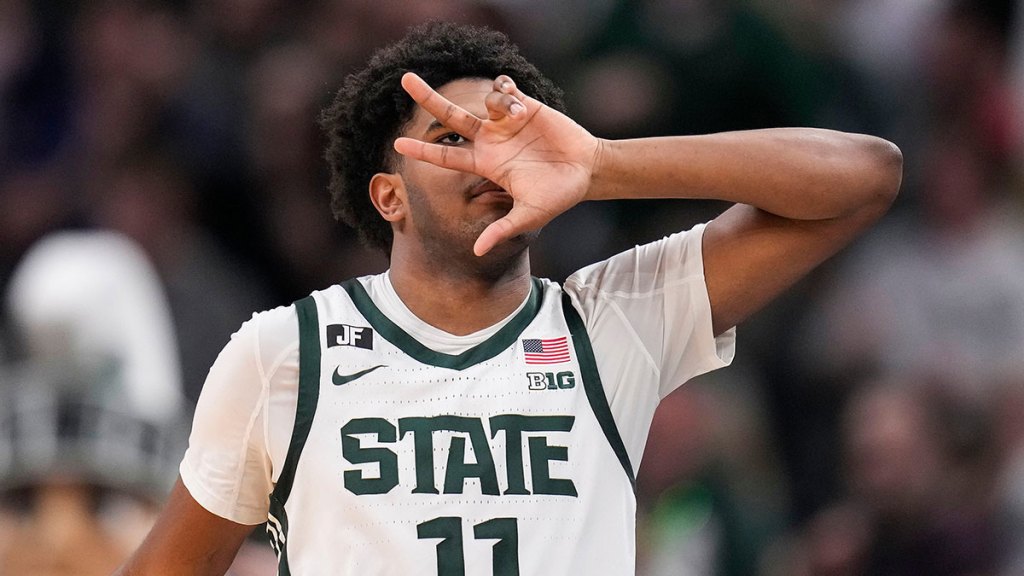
[434, 179]
[435, 191]
[422, 212]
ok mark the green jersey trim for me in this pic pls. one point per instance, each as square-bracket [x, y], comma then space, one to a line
[309, 392]
[277, 529]
[593, 387]
[482, 352]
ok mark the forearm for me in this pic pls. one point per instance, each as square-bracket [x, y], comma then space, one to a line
[798, 173]
[186, 539]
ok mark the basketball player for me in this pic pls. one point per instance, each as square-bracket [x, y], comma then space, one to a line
[455, 415]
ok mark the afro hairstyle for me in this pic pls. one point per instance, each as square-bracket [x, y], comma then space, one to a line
[371, 108]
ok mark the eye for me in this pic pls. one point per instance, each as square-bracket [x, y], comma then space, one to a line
[451, 139]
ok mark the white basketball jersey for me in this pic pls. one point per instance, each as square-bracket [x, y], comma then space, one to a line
[502, 460]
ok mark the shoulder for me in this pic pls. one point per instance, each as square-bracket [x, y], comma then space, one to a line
[271, 329]
[644, 268]
[277, 330]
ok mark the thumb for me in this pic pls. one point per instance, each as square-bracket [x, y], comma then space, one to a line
[520, 219]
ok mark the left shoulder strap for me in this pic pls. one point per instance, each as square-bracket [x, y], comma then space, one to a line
[309, 392]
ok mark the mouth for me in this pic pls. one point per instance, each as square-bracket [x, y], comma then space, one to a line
[487, 187]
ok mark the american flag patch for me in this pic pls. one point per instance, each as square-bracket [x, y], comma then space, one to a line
[546, 351]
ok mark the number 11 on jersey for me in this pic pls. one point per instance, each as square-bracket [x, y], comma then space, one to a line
[451, 560]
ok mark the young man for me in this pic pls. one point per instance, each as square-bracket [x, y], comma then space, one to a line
[454, 415]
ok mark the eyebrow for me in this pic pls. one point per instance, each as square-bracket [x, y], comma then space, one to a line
[435, 124]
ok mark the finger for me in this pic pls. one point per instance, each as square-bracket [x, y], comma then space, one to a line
[519, 220]
[451, 157]
[501, 105]
[507, 85]
[495, 233]
[439, 107]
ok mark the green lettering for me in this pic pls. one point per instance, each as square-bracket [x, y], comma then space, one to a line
[450, 559]
[541, 454]
[514, 425]
[457, 469]
[387, 461]
[423, 441]
[566, 380]
[505, 553]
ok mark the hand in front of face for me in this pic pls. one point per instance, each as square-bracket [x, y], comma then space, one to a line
[541, 157]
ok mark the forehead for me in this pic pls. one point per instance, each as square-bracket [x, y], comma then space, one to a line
[467, 93]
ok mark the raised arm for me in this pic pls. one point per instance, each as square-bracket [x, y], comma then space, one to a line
[187, 540]
[800, 194]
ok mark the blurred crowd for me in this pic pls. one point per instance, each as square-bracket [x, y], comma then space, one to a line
[160, 180]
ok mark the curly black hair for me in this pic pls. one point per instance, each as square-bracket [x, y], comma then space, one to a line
[371, 108]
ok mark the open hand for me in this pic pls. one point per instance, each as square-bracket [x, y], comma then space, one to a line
[540, 156]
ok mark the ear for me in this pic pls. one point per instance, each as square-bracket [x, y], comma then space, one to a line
[387, 192]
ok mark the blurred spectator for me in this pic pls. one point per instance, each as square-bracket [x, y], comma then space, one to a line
[130, 62]
[938, 289]
[941, 293]
[709, 488]
[34, 85]
[912, 454]
[92, 421]
[664, 67]
[884, 42]
[210, 291]
[920, 465]
[92, 418]
[93, 300]
[1016, 68]
[679, 525]
[82, 474]
[34, 201]
[306, 247]
[833, 542]
[1009, 494]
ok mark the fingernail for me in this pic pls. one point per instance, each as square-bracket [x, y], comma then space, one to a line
[515, 109]
[506, 85]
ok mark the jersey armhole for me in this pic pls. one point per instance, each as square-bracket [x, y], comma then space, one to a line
[593, 387]
[309, 392]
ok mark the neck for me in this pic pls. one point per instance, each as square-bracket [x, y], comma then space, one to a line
[457, 300]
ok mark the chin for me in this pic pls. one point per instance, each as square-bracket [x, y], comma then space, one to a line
[510, 250]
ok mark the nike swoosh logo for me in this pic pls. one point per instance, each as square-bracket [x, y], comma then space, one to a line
[340, 379]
